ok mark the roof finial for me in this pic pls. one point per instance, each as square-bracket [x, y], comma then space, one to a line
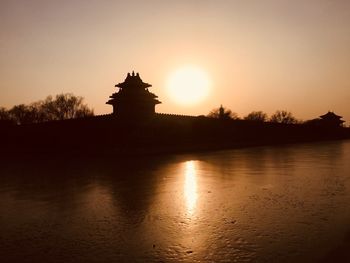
[133, 73]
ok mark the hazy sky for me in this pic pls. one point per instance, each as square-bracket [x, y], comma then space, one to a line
[260, 55]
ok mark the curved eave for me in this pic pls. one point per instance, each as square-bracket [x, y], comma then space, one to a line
[136, 95]
[125, 85]
[331, 115]
[118, 99]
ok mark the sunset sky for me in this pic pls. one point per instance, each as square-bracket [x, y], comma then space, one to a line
[257, 55]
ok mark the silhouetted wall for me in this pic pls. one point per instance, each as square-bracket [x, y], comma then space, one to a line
[108, 134]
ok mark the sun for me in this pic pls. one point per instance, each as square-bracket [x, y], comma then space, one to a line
[188, 85]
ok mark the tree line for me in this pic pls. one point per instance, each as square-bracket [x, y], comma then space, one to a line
[60, 107]
[280, 116]
[68, 106]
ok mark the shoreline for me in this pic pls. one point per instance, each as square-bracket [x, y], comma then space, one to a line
[164, 134]
[125, 155]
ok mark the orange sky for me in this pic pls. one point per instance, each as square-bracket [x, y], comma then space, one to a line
[259, 55]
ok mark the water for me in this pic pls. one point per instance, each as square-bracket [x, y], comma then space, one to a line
[266, 204]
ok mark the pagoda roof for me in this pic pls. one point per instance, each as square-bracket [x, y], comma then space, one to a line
[132, 90]
[151, 98]
[133, 80]
[329, 115]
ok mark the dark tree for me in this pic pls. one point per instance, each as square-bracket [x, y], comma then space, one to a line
[65, 106]
[21, 114]
[258, 116]
[282, 116]
[62, 107]
[4, 114]
[222, 113]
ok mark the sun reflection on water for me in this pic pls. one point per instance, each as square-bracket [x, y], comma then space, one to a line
[190, 186]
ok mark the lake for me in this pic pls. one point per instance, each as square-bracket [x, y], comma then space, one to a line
[264, 204]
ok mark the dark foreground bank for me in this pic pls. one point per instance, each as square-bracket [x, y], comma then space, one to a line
[108, 135]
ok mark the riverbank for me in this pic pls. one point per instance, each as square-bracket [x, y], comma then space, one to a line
[163, 134]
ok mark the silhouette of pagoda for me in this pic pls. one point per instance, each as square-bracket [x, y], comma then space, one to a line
[331, 119]
[133, 98]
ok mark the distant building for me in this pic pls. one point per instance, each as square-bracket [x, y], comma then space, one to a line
[133, 98]
[331, 119]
